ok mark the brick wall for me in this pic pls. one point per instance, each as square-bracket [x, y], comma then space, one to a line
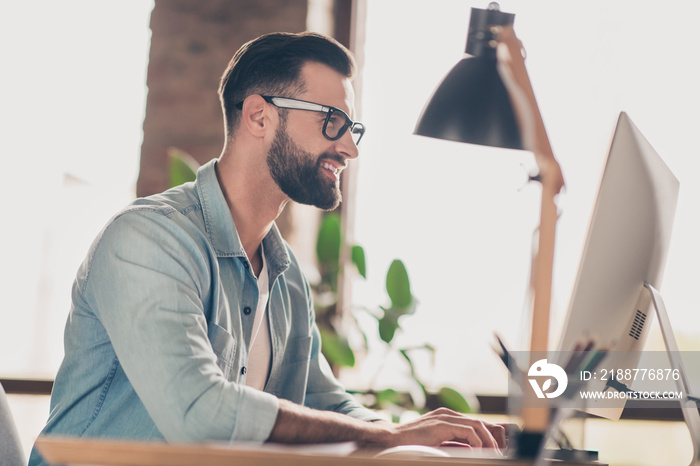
[191, 44]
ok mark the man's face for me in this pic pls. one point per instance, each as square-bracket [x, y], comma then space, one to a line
[305, 165]
[300, 175]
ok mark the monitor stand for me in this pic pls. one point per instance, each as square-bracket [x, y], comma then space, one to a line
[688, 405]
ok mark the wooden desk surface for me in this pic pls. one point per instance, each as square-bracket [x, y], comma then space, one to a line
[78, 451]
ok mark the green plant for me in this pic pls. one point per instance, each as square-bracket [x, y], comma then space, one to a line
[335, 345]
[402, 302]
[182, 167]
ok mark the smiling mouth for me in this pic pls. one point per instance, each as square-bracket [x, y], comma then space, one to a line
[335, 171]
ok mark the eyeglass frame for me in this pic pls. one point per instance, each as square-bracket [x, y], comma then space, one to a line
[297, 104]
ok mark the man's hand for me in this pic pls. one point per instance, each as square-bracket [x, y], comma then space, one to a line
[446, 426]
[298, 424]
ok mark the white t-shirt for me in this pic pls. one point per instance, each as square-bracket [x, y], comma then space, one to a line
[260, 354]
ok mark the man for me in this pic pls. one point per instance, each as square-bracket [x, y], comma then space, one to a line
[191, 320]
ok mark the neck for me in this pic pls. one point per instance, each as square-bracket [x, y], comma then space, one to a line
[254, 201]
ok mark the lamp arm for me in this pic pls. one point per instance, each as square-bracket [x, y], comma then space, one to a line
[511, 68]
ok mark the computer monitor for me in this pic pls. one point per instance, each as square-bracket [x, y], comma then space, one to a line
[627, 244]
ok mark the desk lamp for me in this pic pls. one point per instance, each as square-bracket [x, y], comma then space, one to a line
[487, 99]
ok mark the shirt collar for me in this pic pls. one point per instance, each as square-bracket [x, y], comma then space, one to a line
[221, 229]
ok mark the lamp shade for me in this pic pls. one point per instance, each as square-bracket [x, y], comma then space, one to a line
[471, 104]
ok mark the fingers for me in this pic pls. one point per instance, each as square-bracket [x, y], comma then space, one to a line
[445, 426]
[499, 434]
[476, 433]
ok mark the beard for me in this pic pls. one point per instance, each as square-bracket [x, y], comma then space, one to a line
[298, 173]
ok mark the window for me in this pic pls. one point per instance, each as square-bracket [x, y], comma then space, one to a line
[73, 98]
[461, 216]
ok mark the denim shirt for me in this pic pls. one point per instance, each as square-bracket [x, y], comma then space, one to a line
[158, 335]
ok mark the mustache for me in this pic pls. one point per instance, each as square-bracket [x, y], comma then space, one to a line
[334, 157]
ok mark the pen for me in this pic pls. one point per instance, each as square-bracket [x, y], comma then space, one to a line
[507, 359]
[580, 352]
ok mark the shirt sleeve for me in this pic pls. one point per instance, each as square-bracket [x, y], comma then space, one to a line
[147, 280]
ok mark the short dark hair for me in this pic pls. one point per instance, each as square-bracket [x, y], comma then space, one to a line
[271, 65]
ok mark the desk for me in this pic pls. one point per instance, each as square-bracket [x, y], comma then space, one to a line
[78, 451]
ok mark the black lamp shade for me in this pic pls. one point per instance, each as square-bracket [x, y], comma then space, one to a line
[471, 103]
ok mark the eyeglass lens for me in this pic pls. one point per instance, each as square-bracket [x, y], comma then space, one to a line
[337, 123]
[356, 131]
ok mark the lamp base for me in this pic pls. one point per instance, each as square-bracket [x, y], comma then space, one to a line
[528, 444]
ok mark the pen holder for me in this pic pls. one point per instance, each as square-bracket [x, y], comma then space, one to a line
[545, 385]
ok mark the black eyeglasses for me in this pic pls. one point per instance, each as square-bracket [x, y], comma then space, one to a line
[337, 122]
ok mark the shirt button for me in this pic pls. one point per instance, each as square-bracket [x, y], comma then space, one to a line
[243, 370]
[247, 311]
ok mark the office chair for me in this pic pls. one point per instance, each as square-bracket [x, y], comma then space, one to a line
[11, 453]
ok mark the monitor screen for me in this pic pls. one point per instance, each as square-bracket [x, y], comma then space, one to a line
[627, 244]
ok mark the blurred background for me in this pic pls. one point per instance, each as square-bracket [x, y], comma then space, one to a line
[94, 93]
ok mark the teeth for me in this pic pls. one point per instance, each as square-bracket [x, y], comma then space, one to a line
[330, 167]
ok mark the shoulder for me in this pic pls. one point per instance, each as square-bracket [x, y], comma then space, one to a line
[175, 212]
[153, 234]
[181, 199]
[157, 220]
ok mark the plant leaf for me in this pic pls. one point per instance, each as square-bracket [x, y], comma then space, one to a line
[452, 399]
[388, 326]
[328, 241]
[358, 258]
[182, 167]
[388, 395]
[398, 285]
[337, 349]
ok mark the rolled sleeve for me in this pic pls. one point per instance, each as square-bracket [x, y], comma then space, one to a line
[257, 413]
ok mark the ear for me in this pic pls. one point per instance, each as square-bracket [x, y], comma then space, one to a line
[256, 116]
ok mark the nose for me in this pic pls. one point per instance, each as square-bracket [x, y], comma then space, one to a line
[346, 146]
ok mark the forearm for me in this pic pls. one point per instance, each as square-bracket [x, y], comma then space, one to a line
[299, 424]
